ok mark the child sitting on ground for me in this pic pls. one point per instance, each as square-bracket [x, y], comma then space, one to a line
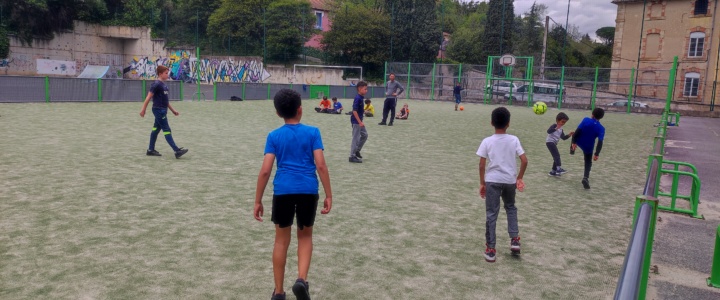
[404, 113]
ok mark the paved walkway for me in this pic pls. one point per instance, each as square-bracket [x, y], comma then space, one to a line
[683, 245]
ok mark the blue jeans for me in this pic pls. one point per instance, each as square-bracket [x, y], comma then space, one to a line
[457, 98]
[161, 122]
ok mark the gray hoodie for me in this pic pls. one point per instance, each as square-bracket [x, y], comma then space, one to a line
[393, 87]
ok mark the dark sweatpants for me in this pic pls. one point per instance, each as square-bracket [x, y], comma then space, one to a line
[389, 107]
[555, 154]
[588, 163]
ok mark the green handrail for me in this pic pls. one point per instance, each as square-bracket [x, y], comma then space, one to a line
[693, 198]
[714, 279]
[630, 92]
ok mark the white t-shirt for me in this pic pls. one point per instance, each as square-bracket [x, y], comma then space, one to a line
[501, 151]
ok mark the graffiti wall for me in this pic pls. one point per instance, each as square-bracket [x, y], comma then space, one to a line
[183, 64]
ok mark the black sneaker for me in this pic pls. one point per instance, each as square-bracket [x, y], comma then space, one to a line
[390, 124]
[554, 174]
[357, 154]
[301, 289]
[354, 159]
[153, 153]
[515, 245]
[490, 254]
[382, 123]
[586, 183]
[561, 171]
[277, 296]
[180, 152]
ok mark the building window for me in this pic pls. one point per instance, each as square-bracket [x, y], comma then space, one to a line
[692, 83]
[697, 43]
[656, 10]
[652, 46]
[701, 7]
[318, 17]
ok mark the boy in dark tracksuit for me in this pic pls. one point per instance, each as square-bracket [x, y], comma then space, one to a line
[456, 93]
[555, 133]
[161, 103]
[585, 135]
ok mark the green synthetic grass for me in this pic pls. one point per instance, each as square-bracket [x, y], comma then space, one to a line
[84, 214]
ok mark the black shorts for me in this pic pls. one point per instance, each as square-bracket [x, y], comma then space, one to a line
[285, 207]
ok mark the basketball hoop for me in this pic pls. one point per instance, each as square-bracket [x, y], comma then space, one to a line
[507, 60]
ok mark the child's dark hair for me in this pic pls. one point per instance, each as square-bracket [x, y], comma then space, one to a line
[598, 113]
[500, 117]
[161, 69]
[286, 103]
[562, 116]
[324, 97]
[361, 84]
[367, 101]
[334, 99]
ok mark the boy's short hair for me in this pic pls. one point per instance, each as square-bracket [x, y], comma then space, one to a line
[598, 113]
[334, 98]
[161, 69]
[500, 117]
[324, 97]
[367, 101]
[361, 84]
[562, 116]
[287, 103]
[391, 74]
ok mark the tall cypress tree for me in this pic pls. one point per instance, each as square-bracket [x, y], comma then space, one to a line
[497, 39]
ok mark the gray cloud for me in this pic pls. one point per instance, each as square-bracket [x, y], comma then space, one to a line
[588, 15]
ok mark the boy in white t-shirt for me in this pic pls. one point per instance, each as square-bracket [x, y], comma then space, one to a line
[499, 152]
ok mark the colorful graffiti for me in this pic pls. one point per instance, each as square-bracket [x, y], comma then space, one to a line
[4, 63]
[183, 66]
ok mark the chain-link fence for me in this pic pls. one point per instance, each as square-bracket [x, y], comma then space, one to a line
[645, 89]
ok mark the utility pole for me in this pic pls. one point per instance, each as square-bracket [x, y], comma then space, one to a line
[544, 51]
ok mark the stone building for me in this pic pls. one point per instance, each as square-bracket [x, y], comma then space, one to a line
[669, 28]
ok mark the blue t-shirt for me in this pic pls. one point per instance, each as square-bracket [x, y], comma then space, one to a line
[358, 106]
[337, 106]
[293, 146]
[160, 94]
[590, 130]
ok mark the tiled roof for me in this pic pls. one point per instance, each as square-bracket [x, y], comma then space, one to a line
[320, 4]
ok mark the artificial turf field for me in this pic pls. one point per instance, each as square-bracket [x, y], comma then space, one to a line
[84, 214]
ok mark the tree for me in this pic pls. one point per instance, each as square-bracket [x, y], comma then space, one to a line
[31, 19]
[4, 42]
[416, 34]
[285, 28]
[359, 36]
[242, 20]
[464, 43]
[497, 38]
[606, 35]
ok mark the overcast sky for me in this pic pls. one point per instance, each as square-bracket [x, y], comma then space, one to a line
[589, 15]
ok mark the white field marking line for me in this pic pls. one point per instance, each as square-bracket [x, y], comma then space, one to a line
[713, 130]
[677, 144]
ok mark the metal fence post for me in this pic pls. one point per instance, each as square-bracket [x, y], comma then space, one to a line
[47, 89]
[144, 90]
[243, 90]
[99, 85]
[562, 88]
[594, 92]
[432, 85]
[487, 87]
[714, 279]
[671, 84]
[181, 91]
[407, 92]
[385, 74]
[653, 202]
[268, 94]
[630, 91]
[214, 90]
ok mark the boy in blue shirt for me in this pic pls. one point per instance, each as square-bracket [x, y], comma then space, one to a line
[585, 135]
[337, 106]
[359, 133]
[298, 149]
[161, 103]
